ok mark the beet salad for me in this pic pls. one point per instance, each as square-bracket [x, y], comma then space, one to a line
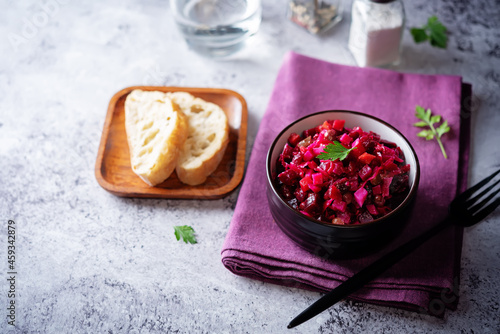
[340, 175]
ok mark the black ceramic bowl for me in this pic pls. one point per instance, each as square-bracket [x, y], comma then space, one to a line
[340, 241]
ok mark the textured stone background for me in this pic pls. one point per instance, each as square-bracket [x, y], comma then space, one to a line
[90, 262]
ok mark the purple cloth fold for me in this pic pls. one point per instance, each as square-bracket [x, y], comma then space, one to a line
[424, 281]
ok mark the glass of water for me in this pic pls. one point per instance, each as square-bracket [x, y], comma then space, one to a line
[217, 28]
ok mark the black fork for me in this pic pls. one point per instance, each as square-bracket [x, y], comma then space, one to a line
[464, 209]
[467, 209]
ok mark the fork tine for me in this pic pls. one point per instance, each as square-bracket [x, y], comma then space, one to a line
[475, 198]
[485, 212]
[463, 196]
[481, 204]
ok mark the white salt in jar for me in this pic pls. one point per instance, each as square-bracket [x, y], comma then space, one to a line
[376, 31]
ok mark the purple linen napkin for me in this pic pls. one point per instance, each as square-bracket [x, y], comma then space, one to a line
[426, 280]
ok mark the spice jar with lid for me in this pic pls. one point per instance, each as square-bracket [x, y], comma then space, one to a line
[315, 16]
[376, 31]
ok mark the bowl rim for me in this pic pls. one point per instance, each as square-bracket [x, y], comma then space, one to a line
[403, 204]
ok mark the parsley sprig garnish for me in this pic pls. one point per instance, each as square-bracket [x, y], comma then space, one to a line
[429, 120]
[434, 32]
[186, 233]
[335, 151]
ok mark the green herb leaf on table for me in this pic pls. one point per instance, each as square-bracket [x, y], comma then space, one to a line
[437, 32]
[428, 120]
[186, 233]
[335, 151]
[434, 32]
[419, 35]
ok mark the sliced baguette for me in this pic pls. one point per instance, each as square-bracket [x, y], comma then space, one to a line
[207, 139]
[156, 131]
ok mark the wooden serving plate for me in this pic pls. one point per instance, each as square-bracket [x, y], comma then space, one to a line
[113, 171]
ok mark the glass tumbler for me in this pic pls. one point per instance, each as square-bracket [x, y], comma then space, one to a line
[316, 16]
[216, 28]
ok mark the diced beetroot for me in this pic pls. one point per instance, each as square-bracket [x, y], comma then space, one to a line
[360, 196]
[325, 166]
[377, 161]
[287, 153]
[308, 156]
[365, 172]
[338, 124]
[297, 169]
[297, 157]
[310, 132]
[359, 149]
[286, 191]
[366, 158]
[315, 188]
[309, 173]
[305, 182]
[312, 204]
[294, 139]
[317, 178]
[326, 204]
[300, 194]
[333, 192]
[339, 205]
[353, 184]
[345, 140]
[389, 165]
[357, 130]
[388, 151]
[288, 177]
[377, 190]
[312, 164]
[372, 209]
[337, 167]
[386, 183]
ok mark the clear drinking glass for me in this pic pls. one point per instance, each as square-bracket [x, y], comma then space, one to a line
[315, 16]
[217, 28]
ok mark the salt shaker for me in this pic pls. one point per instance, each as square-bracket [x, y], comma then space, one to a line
[315, 16]
[376, 32]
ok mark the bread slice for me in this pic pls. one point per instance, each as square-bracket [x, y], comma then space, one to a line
[207, 139]
[156, 131]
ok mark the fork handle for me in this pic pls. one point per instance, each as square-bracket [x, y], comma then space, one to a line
[367, 274]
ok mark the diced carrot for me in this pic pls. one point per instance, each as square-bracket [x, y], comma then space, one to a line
[326, 126]
[338, 124]
[366, 158]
